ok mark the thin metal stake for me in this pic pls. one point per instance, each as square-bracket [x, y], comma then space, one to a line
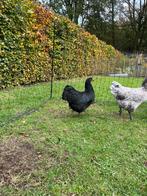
[52, 64]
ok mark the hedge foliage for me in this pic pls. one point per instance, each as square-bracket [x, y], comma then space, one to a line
[32, 39]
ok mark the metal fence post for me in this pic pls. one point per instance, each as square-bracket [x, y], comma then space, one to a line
[52, 62]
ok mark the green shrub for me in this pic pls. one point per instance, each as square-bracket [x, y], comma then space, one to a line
[32, 38]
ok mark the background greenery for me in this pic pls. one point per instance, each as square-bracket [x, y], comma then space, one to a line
[32, 37]
[121, 23]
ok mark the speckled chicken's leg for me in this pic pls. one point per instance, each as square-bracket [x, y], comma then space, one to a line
[130, 116]
[120, 110]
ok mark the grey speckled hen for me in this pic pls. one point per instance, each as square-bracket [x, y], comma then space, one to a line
[129, 98]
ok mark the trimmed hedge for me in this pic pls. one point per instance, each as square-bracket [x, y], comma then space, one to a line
[32, 37]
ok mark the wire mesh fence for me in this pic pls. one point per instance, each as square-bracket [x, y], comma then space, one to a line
[128, 73]
[74, 60]
[70, 64]
[32, 98]
[65, 70]
[67, 57]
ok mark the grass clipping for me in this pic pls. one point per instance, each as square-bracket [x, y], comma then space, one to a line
[18, 157]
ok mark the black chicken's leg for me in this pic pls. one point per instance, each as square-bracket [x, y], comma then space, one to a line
[130, 116]
[120, 110]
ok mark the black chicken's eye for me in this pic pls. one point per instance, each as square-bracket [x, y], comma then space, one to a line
[117, 86]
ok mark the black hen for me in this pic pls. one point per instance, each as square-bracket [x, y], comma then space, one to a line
[79, 101]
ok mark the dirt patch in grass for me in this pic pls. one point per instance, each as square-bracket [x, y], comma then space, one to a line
[17, 157]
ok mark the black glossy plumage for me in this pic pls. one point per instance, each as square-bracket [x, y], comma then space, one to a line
[79, 101]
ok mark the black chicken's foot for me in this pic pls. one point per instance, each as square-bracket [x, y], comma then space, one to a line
[130, 116]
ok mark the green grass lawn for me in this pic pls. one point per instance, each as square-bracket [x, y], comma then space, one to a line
[59, 152]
